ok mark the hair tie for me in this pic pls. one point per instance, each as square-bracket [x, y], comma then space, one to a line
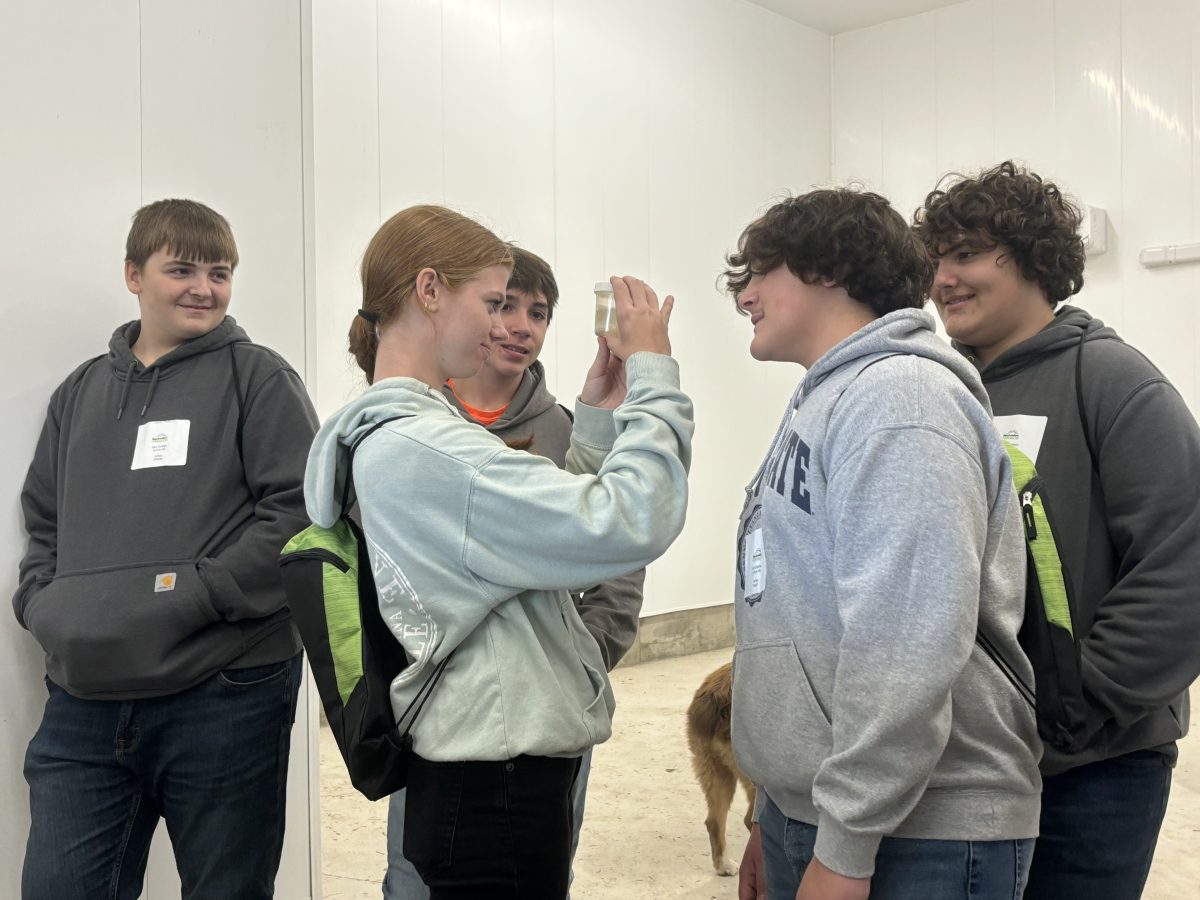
[369, 316]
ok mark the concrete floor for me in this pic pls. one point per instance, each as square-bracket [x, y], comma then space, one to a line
[643, 834]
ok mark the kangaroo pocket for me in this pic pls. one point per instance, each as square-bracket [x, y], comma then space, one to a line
[145, 629]
[780, 733]
[584, 647]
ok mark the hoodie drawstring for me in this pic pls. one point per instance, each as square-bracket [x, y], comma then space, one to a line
[150, 393]
[125, 390]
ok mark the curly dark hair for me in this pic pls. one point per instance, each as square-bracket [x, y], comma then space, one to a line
[846, 235]
[1017, 209]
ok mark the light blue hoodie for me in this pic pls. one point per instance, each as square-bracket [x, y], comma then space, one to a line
[474, 547]
[880, 533]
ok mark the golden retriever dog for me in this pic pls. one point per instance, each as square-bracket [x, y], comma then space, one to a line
[712, 759]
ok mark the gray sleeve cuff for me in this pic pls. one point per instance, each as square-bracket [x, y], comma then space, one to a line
[760, 800]
[845, 852]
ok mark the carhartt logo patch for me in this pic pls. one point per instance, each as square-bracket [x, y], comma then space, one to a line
[164, 582]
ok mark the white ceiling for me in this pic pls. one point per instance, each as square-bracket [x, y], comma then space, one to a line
[834, 16]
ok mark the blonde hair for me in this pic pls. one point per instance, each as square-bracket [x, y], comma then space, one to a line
[420, 237]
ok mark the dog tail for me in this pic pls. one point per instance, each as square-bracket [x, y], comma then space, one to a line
[708, 713]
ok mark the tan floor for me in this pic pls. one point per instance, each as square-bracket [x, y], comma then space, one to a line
[644, 835]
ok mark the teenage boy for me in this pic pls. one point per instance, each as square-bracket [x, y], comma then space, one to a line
[508, 397]
[880, 549]
[166, 479]
[1118, 451]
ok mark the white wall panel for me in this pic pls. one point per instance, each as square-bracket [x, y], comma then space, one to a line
[228, 132]
[857, 106]
[526, 140]
[120, 104]
[962, 61]
[1023, 67]
[625, 98]
[347, 105]
[473, 114]
[71, 183]
[693, 131]
[908, 111]
[410, 123]
[225, 129]
[1157, 135]
[581, 137]
[775, 142]
[1087, 86]
[1195, 288]
[1100, 96]
[610, 138]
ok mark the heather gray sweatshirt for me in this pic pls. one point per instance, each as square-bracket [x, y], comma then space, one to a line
[880, 533]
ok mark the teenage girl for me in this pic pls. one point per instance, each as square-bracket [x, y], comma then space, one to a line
[450, 514]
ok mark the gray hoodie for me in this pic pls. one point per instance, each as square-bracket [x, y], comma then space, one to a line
[474, 545]
[610, 609]
[880, 533]
[1130, 540]
[146, 575]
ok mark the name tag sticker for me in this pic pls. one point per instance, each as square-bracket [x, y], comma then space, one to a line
[162, 444]
[755, 564]
[1026, 432]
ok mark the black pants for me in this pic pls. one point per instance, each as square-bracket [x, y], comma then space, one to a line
[491, 829]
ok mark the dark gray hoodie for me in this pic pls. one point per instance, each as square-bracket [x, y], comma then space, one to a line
[1130, 541]
[610, 610]
[153, 545]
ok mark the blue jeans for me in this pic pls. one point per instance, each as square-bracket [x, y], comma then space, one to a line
[1100, 824]
[402, 881]
[211, 761]
[905, 868]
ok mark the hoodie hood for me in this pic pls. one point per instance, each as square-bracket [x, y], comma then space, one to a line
[533, 420]
[1070, 323]
[530, 401]
[127, 368]
[120, 352]
[326, 471]
[905, 331]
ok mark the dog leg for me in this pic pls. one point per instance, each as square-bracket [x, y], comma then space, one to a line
[719, 793]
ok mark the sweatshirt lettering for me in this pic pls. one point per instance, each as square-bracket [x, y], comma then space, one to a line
[794, 456]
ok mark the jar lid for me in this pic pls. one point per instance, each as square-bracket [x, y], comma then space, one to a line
[603, 287]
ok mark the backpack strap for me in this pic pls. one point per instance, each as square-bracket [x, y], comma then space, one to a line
[418, 701]
[346, 485]
[1083, 422]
